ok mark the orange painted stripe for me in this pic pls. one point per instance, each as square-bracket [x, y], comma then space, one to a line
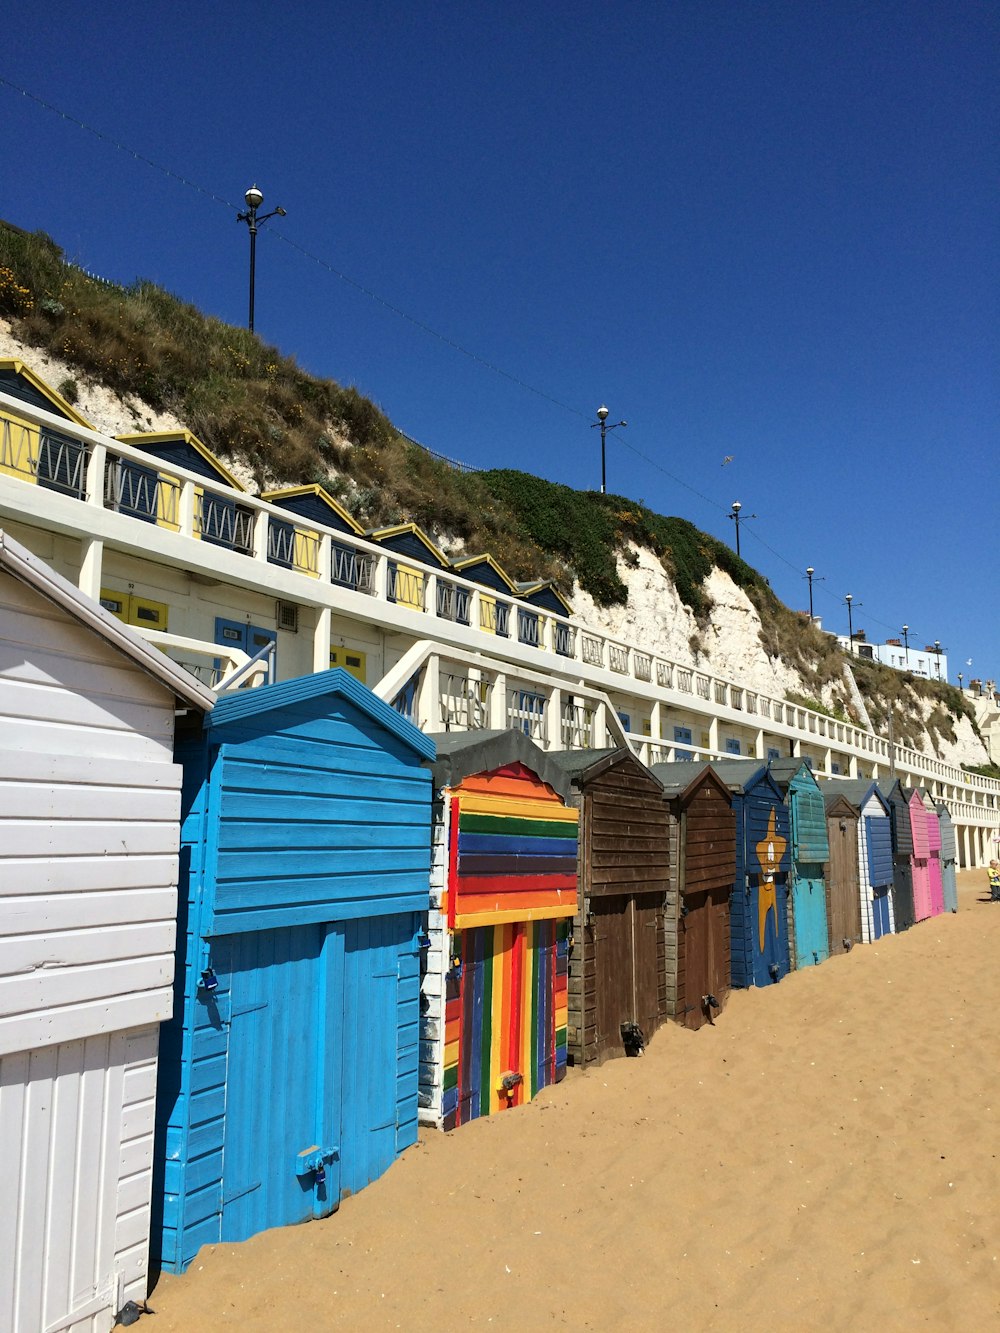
[513, 904]
[498, 784]
[452, 1030]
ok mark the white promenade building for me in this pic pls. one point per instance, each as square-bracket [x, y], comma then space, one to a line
[157, 529]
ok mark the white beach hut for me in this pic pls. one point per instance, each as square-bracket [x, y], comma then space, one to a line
[89, 827]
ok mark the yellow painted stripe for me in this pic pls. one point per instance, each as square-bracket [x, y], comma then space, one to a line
[472, 919]
[451, 1055]
[478, 803]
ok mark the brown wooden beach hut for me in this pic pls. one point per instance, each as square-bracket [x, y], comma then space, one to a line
[702, 872]
[843, 891]
[618, 963]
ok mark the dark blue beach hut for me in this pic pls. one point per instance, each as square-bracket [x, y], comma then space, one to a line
[289, 1070]
[902, 854]
[759, 905]
[810, 852]
[949, 858]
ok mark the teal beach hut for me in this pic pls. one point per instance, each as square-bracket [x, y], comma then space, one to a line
[289, 1070]
[810, 851]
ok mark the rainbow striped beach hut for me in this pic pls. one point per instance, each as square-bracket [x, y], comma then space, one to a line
[503, 894]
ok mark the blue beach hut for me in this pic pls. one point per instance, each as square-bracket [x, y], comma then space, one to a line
[875, 871]
[289, 1070]
[949, 858]
[810, 851]
[759, 906]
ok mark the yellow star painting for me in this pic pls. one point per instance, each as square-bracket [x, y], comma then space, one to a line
[770, 850]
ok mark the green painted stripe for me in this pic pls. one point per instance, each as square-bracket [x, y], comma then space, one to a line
[561, 1037]
[530, 828]
[450, 1077]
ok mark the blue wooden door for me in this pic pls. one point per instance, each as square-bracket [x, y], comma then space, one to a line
[812, 938]
[282, 1077]
[767, 832]
[250, 639]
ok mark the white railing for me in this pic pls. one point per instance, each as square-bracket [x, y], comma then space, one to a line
[83, 466]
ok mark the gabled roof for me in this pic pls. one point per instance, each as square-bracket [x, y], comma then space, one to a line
[399, 529]
[17, 561]
[468, 562]
[42, 388]
[460, 754]
[837, 803]
[583, 766]
[246, 704]
[680, 777]
[324, 496]
[529, 589]
[856, 790]
[784, 771]
[739, 774]
[143, 439]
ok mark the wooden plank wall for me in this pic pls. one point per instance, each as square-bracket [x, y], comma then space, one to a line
[76, 1132]
[89, 810]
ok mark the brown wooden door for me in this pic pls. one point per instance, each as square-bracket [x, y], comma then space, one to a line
[627, 964]
[612, 944]
[647, 934]
[843, 896]
[706, 955]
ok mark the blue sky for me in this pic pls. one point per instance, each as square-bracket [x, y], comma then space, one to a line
[758, 230]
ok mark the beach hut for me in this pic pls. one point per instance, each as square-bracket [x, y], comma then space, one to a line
[934, 854]
[503, 895]
[289, 1070]
[702, 865]
[949, 858]
[874, 854]
[618, 962]
[759, 907]
[89, 828]
[840, 874]
[923, 903]
[902, 854]
[810, 852]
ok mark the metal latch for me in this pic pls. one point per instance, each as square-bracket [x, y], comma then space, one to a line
[313, 1161]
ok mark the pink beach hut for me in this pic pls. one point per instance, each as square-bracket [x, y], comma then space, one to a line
[934, 855]
[923, 906]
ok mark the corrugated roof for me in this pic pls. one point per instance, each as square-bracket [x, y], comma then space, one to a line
[460, 754]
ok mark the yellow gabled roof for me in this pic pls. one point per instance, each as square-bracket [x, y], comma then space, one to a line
[46, 389]
[468, 560]
[165, 436]
[526, 589]
[380, 534]
[273, 497]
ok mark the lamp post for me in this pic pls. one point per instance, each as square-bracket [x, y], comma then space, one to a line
[738, 518]
[906, 643]
[849, 599]
[960, 679]
[809, 575]
[254, 198]
[602, 422]
[937, 650]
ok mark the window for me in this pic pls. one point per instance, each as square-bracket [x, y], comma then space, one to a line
[732, 745]
[625, 719]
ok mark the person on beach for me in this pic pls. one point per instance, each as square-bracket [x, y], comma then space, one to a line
[995, 881]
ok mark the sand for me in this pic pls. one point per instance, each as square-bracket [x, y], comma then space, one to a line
[826, 1156]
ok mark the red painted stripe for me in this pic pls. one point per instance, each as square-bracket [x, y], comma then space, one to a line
[504, 884]
[453, 863]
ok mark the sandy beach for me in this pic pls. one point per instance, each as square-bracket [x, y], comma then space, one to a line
[827, 1156]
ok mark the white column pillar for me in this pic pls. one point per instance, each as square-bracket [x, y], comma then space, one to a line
[187, 509]
[90, 567]
[321, 639]
[759, 745]
[498, 703]
[324, 557]
[429, 705]
[95, 474]
[260, 534]
[600, 725]
[430, 594]
[656, 721]
[713, 734]
[553, 732]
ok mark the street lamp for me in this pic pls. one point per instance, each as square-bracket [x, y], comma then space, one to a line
[809, 575]
[849, 599]
[737, 518]
[254, 198]
[602, 421]
[937, 650]
[961, 677]
[906, 643]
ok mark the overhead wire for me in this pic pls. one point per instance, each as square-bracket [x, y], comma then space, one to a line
[374, 296]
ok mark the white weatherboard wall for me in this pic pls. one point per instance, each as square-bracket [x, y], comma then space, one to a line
[89, 811]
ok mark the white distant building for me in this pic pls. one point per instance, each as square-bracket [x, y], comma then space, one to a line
[930, 662]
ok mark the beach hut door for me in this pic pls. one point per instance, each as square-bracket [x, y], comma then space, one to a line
[278, 1099]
